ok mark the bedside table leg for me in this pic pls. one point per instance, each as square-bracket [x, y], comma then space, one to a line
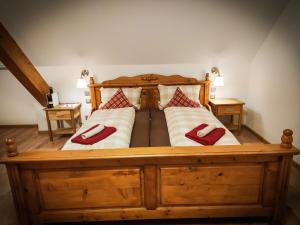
[49, 128]
[73, 122]
[240, 123]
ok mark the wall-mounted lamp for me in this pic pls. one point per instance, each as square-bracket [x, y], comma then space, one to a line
[218, 81]
[81, 82]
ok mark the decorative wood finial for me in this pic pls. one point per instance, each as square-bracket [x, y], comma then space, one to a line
[92, 81]
[11, 147]
[207, 76]
[287, 138]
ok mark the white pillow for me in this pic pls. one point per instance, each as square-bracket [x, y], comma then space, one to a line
[133, 95]
[167, 92]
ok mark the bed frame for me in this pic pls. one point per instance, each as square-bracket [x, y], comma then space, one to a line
[150, 182]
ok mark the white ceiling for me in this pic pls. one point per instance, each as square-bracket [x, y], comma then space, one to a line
[128, 32]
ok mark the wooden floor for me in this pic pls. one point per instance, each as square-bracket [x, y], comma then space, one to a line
[28, 138]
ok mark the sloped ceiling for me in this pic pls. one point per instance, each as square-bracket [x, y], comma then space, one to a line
[128, 32]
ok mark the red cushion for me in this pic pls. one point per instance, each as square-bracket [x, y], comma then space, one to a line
[118, 100]
[180, 99]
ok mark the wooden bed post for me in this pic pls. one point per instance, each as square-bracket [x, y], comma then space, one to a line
[93, 94]
[204, 92]
[283, 179]
[207, 77]
[16, 183]
[150, 173]
[287, 139]
[11, 147]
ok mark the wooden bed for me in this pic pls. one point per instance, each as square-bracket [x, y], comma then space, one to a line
[150, 182]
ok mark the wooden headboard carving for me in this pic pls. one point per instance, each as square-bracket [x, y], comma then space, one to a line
[149, 83]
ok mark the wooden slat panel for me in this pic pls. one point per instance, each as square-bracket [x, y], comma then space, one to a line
[281, 190]
[270, 181]
[149, 83]
[150, 187]
[157, 153]
[70, 189]
[149, 79]
[159, 213]
[140, 161]
[28, 179]
[211, 185]
[12, 56]
[17, 191]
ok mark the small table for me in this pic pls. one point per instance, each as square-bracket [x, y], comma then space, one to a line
[63, 112]
[231, 107]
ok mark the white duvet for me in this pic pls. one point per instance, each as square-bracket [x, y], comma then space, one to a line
[122, 119]
[181, 120]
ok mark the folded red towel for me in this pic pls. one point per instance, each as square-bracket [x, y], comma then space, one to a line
[96, 138]
[209, 139]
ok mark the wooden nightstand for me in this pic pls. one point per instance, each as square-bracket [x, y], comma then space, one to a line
[63, 112]
[228, 107]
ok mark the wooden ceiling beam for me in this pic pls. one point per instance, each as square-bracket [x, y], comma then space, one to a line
[12, 56]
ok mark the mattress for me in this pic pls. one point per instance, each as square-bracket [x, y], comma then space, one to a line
[181, 120]
[122, 119]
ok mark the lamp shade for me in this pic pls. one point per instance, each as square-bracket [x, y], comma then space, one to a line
[81, 83]
[219, 81]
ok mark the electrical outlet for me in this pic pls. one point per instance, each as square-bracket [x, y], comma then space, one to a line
[88, 100]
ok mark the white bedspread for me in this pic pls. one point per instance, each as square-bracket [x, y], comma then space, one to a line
[122, 119]
[181, 120]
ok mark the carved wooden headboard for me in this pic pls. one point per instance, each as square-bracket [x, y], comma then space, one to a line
[149, 83]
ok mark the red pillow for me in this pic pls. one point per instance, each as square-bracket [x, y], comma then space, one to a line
[118, 100]
[180, 99]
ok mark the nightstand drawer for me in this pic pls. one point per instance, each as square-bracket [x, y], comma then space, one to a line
[229, 110]
[59, 115]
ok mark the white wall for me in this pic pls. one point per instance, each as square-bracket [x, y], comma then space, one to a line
[274, 86]
[17, 104]
[63, 79]
[117, 37]
[139, 32]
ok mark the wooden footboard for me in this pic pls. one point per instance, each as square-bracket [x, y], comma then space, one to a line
[150, 183]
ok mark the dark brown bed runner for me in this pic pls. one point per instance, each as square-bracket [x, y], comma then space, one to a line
[150, 129]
